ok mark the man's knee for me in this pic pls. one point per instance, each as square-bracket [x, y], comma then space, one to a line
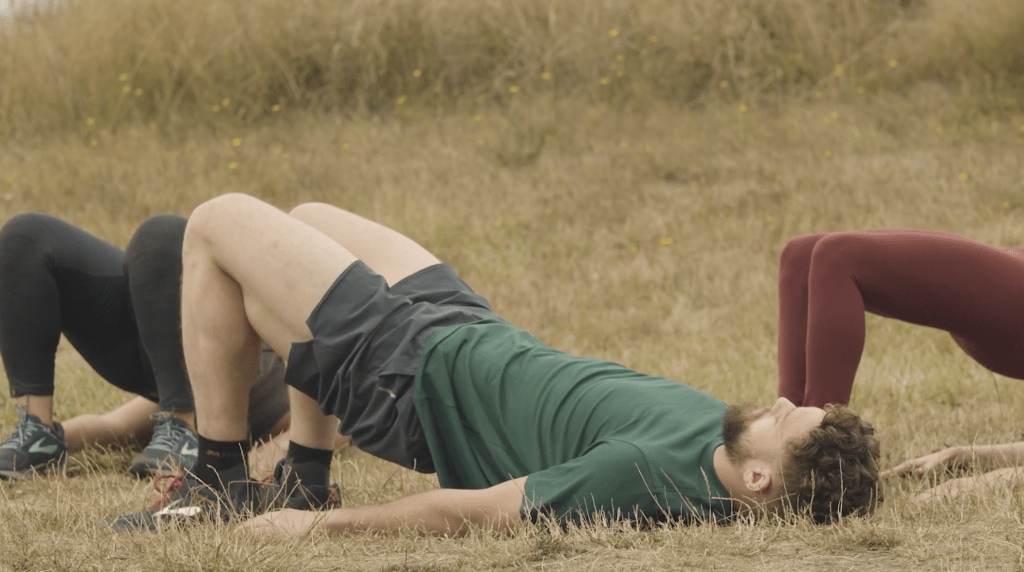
[305, 211]
[215, 209]
[318, 214]
[213, 215]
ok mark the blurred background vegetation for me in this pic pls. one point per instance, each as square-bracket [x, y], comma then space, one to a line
[180, 63]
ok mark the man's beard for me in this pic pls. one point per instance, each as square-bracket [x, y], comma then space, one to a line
[735, 422]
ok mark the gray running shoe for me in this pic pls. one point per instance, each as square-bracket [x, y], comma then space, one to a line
[32, 448]
[172, 449]
[186, 501]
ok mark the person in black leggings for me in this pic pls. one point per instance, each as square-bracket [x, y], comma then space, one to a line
[122, 312]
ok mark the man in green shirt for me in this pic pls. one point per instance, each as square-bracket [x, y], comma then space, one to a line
[418, 369]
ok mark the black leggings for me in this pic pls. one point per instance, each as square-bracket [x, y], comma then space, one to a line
[120, 310]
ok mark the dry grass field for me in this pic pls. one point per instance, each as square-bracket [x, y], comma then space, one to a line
[618, 177]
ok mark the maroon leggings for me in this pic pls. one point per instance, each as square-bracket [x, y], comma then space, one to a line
[827, 281]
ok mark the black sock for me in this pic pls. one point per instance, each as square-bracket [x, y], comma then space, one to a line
[309, 466]
[221, 462]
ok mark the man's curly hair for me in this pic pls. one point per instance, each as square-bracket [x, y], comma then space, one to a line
[833, 471]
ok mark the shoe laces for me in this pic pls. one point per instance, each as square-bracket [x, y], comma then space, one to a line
[20, 436]
[167, 433]
[174, 484]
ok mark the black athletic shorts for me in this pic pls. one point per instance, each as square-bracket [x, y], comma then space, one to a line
[365, 352]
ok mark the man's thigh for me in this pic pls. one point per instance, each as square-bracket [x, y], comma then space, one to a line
[282, 266]
[387, 251]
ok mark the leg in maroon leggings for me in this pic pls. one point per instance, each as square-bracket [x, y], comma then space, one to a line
[827, 281]
[794, 268]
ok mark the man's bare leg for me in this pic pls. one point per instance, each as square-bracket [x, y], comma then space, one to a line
[387, 251]
[316, 431]
[251, 272]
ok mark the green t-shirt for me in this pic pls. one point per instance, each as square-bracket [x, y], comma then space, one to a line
[592, 436]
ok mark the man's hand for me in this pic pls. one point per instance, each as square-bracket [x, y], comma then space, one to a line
[286, 522]
[953, 457]
[952, 488]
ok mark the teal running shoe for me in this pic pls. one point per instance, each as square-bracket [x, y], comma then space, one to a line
[32, 448]
[173, 448]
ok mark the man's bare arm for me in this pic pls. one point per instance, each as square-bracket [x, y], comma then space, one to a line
[982, 484]
[1001, 455]
[442, 511]
[127, 422]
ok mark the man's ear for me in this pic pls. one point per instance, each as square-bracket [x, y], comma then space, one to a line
[757, 479]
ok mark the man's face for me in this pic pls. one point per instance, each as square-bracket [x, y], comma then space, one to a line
[766, 430]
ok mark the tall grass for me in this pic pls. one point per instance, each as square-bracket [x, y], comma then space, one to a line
[190, 61]
[650, 239]
[637, 219]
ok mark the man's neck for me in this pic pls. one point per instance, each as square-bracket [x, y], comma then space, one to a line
[731, 476]
[728, 473]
